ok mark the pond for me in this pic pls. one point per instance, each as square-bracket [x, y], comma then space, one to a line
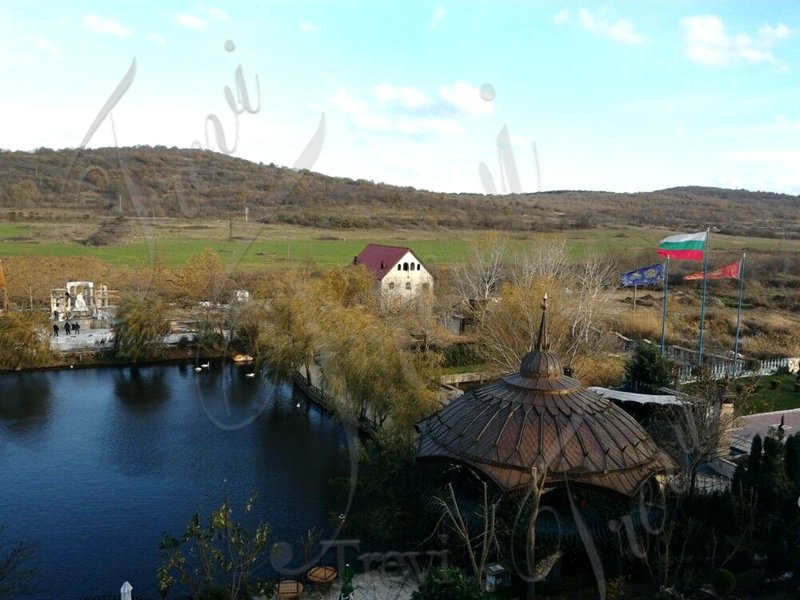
[97, 463]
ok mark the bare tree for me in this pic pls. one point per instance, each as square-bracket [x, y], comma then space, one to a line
[478, 278]
[745, 511]
[579, 297]
[477, 545]
[698, 428]
[591, 288]
[536, 572]
[17, 569]
[543, 257]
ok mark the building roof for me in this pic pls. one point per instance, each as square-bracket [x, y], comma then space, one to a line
[763, 424]
[662, 399]
[381, 259]
[540, 416]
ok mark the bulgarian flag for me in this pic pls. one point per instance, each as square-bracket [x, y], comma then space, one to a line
[684, 246]
[731, 271]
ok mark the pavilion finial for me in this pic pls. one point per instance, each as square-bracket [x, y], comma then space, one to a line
[543, 343]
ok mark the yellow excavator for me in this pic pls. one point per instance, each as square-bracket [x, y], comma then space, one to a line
[4, 290]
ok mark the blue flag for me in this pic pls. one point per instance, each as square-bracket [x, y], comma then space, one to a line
[644, 276]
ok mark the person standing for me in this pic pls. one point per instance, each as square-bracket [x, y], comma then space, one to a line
[66, 327]
[55, 330]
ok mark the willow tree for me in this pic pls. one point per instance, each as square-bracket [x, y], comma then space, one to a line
[140, 329]
[24, 340]
[288, 340]
[203, 277]
[368, 362]
[287, 336]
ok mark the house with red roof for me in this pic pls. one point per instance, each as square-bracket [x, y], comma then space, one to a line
[399, 273]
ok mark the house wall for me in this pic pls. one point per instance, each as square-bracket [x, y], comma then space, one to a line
[402, 285]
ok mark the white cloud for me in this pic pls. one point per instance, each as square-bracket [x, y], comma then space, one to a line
[562, 17]
[787, 157]
[708, 43]
[621, 30]
[438, 16]
[308, 27]
[191, 21]
[465, 99]
[217, 14]
[408, 111]
[103, 25]
[414, 127]
[404, 97]
[348, 103]
[48, 46]
[156, 39]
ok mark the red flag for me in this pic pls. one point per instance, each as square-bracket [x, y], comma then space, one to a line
[731, 271]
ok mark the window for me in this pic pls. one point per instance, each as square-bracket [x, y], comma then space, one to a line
[398, 266]
[408, 285]
[405, 266]
[419, 266]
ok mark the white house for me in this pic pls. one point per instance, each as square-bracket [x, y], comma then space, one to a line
[400, 274]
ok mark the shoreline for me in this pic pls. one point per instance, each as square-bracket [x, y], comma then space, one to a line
[86, 360]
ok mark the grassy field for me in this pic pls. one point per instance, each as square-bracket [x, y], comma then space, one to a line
[255, 245]
[783, 397]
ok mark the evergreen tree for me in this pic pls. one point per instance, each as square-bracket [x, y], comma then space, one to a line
[754, 462]
[792, 460]
[647, 371]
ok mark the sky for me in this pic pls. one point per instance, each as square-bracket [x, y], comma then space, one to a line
[470, 96]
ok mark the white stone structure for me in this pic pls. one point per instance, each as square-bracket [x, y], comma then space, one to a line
[400, 274]
[79, 300]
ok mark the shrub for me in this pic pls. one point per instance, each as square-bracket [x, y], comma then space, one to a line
[459, 355]
[750, 582]
[215, 593]
[448, 583]
[642, 325]
[723, 581]
[616, 588]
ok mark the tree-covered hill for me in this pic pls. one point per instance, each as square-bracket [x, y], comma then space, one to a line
[145, 181]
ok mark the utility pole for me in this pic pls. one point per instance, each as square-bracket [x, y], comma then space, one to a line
[3, 289]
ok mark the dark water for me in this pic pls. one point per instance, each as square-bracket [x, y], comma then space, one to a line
[95, 464]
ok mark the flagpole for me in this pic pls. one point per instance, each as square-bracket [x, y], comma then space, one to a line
[664, 305]
[739, 314]
[703, 301]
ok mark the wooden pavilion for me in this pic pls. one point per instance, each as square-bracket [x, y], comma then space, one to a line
[540, 417]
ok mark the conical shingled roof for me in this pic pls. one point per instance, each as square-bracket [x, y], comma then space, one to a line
[540, 416]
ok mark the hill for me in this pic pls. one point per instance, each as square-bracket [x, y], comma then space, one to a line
[144, 181]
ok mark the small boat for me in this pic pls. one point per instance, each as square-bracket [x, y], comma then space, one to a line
[242, 358]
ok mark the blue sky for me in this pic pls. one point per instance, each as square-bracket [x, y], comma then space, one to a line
[618, 96]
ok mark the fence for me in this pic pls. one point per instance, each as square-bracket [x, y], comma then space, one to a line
[328, 402]
[739, 368]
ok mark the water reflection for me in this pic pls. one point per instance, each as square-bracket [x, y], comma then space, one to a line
[24, 402]
[231, 400]
[127, 454]
[141, 387]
